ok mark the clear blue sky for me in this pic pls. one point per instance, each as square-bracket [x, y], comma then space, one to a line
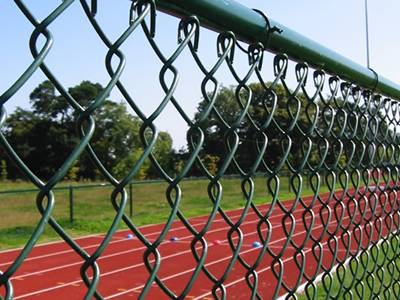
[78, 54]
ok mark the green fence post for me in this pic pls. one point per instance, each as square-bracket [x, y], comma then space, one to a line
[130, 200]
[71, 204]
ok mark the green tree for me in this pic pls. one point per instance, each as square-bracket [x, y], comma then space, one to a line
[261, 106]
[286, 109]
[45, 136]
[3, 170]
[41, 142]
[72, 173]
[211, 163]
[162, 151]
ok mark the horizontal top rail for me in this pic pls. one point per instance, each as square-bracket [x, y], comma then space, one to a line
[250, 26]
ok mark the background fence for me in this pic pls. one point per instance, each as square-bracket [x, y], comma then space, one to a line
[314, 114]
[74, 187]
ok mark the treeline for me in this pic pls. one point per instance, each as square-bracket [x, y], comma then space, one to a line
[46, 134]
[301, 133]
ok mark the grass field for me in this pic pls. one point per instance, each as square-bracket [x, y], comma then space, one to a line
[371, 281]
[93, 212]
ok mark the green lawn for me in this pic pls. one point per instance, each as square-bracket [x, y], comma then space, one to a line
[94, 213]
[380, 277]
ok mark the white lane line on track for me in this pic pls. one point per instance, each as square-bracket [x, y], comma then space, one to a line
[50, 243]
[117, 254]
[100, 235]
[141, 265]
[241, 279]
[260, 271]
[92, 245]
[133, 250]
[96, 235]
[318, 279]
[55, 253]
[207, 265]
[305, 248]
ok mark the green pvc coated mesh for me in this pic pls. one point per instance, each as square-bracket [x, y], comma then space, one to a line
[347, 136]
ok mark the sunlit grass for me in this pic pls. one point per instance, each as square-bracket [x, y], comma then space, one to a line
[93, 211]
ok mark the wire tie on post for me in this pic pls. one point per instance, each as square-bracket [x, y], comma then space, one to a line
[269, 29]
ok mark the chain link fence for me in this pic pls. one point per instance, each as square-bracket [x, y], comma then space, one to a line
[343, 133]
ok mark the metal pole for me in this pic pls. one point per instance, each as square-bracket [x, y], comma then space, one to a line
[367, 32]
[71, 204]
[251, 27]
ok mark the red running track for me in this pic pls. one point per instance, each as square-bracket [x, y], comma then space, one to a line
[52, 270]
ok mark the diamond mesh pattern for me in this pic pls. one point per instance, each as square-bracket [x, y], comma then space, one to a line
[349, 140]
